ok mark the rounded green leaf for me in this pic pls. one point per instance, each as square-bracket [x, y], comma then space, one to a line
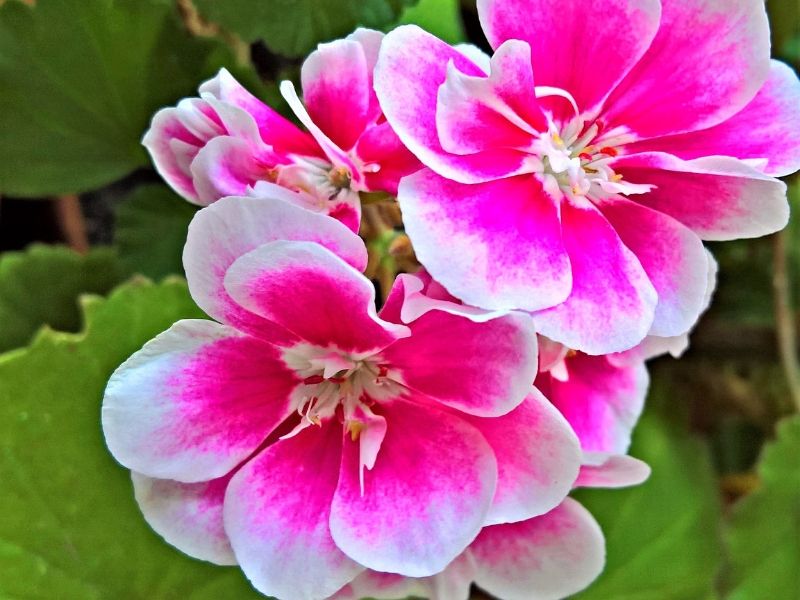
[763, 535]
[79, 83]
[662, 537]
[70, 527]
[41, 287]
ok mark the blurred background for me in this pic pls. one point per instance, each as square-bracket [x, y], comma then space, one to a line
[90, 245]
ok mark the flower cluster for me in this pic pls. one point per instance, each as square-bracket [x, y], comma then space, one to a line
[557, 195]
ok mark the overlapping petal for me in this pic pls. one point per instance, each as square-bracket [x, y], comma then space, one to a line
[232, 227]
[496, 245]
[276, 514]
[426, 498]
[195, 402]
[306, 289]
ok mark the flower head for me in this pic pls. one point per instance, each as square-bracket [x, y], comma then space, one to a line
[304, 428]
[575, 172]
[227, 142]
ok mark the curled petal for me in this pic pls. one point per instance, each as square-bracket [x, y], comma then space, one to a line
[187, 515]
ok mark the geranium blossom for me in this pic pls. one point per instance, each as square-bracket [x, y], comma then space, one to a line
[306, 437]
[227, 141]
[575, 172]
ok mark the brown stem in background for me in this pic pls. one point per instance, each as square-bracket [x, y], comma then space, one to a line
[70, 220]
[785, 323]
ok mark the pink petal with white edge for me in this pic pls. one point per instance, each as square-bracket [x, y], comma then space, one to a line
[583, 50]
[475, 114]
[229, 166]
[546, 558]
[334, 153]
[283, 135]
[601, 470]
[538, 457]
[496, 245]
[453, 583]
[413, 65]
[276, 514]
[673, 258]
[173, 142]
[708, 60]
[232, 227]
[187, 515]
[311, 292]
[195, 402]
[761, 130]
[601, 401]
[426, 498]
[612, 303]
[717, 197]
[484, 369]
[337, 90]
[386, 159]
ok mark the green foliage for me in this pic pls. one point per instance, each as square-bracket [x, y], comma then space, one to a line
[661, 537]
[70, 526]
[41, 287]
[294, 27]
[763, 536]
[79, 83]
[151, 231]
[440, 17]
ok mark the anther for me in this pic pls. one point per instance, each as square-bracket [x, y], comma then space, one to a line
[608, 151]
[585, 156]
[313, 379]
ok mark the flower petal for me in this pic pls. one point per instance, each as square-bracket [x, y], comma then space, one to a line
[386, 159]
[276, 514]
[673, 258]
[283, 135]
[230, 166]
[195, 402]
[306, 289]
[601, 401]
[336, 90]
[496, 245]
[538, 457]
[719, 198]
[612, 302]
[475, 114]
[484, 369]
[232, 227]
[413, 65]
[546, 558]
[708, 60]
[424, 501]
[761, 130]
[568, 39]
[602, 470]
[187, 515]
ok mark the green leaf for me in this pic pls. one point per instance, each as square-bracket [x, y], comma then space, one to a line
[442, 18]
[763, 536]
[41, 287]
[295, 27]
[661, 537]
[151, 231]
[70, 526]
[79, 82]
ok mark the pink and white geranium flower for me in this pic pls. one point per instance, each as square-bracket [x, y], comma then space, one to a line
[574, 174]
[306, 437]
[227, 141]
